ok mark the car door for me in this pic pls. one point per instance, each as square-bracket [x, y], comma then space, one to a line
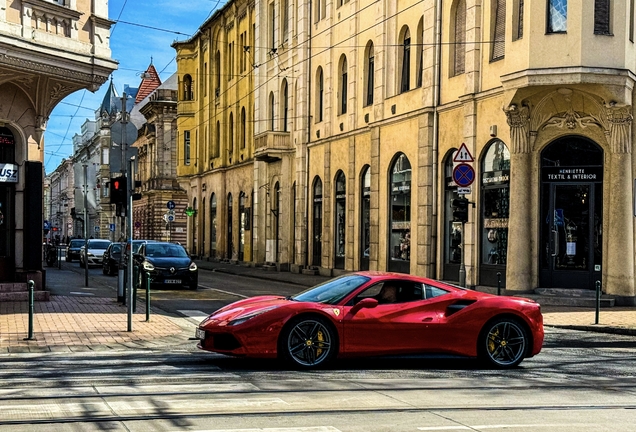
[406, 326]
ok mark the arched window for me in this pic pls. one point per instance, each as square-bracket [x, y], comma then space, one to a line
[319, 94]
[458, 47]
[343, 84]
[213, 226]
[495, 196]
[203, 214]
[217, 62]
[557, 16]
[405, 59]
[271, 111]
[365, 217]
[243, 128]
[230, 244]
[230, 140]
[187, 88]
[340, 222]
[7, 201]
[369, 73]
[419, 61]
[217, 143]
[498, 30]
[400, 215]
[317, 223]
[284, 106]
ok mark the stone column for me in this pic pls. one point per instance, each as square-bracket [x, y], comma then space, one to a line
[619, 274]
[519, 266]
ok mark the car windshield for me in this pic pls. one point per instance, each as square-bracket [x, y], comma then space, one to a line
[332, 291]
[116, 248]
[98, 244]
[162, 250]
[76, 243]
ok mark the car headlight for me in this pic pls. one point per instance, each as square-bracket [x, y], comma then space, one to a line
[147, 266]
[249, 316]
[193, 267]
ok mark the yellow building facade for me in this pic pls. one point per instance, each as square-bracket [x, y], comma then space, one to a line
[371, 119]
[216, 129]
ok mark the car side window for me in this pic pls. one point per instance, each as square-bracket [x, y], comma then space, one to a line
[432, 291]
[387, 292]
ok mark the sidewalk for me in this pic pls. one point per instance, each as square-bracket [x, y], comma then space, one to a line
[82, 323]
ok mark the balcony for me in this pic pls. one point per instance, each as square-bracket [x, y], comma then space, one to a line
[271, 146]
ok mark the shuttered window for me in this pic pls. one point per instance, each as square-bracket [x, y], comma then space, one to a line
[519, 30]
[459, 46]
[499, 37]
[602, 17]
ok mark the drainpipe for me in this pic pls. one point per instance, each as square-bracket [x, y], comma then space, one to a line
[307, 187]
[437, 72]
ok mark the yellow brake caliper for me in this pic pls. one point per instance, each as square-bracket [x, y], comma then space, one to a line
[321, 338]
[491, 342]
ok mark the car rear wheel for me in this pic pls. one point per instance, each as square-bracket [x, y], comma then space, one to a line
[308, 342]
[503, 343]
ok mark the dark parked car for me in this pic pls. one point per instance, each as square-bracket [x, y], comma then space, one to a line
[73, 250]
[110, 262]
[167, 264]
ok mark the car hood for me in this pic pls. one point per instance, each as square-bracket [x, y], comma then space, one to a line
[245, 307]
[96, 251]
[167, 262]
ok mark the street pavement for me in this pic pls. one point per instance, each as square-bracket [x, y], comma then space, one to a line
[79, 323]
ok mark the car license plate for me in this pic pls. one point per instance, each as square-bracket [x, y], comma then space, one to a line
[173, 281]
[200, 334]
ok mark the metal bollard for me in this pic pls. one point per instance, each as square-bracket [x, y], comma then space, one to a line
[31, 285]
[148, 279]
[598, 301]
[498, 283]
[134, 284]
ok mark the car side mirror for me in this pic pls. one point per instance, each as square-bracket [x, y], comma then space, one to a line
[365, 303]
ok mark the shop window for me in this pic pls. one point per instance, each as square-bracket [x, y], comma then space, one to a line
[400, 215]
[213, 226]
[341, 209]
[453, 237]
[230, 244]
[242, 225]
[317, 222]
[495, 185]
[365, 222]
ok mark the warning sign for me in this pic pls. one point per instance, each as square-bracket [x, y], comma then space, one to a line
[463, 155]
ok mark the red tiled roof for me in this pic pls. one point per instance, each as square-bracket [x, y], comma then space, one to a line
[149, 83]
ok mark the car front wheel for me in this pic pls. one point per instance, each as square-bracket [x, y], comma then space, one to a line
[308, 342]
[503, 343]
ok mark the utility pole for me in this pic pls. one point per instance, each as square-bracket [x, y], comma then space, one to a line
[129, 201]
[85, 166]
[121, 276]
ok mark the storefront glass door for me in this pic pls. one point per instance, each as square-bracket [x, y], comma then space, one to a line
[571, 235]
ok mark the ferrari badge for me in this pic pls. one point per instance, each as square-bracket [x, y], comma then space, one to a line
[336, 312]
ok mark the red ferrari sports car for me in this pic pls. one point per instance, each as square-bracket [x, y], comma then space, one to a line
[376, 314]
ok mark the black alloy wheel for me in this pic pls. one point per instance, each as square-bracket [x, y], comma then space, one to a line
[308, 342]
[503, 343]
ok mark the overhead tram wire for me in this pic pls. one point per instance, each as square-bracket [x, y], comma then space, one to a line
[117, 20]
[68, 128]
[304, 60]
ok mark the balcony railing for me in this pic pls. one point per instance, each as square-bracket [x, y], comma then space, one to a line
[271, 146]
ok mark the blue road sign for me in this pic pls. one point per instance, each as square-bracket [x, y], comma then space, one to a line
[463, 175]
[171, 205]
[111, 227]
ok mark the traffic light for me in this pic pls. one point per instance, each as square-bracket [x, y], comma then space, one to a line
[460, 210]
[118, 190]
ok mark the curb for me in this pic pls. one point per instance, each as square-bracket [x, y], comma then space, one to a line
[600, 328]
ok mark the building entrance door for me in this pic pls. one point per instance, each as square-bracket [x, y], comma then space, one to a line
[571, 214]
[572, 236]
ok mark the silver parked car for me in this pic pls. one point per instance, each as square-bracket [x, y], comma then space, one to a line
[96, 249]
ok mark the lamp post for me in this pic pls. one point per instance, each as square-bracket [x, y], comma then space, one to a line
[85, 166]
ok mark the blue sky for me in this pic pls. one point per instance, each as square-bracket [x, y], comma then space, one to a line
[132, 46]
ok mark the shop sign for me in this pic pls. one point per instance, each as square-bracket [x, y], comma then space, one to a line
[572, 174]
[8, 173]
[401, 188]
[495, 177]
[495, 223]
